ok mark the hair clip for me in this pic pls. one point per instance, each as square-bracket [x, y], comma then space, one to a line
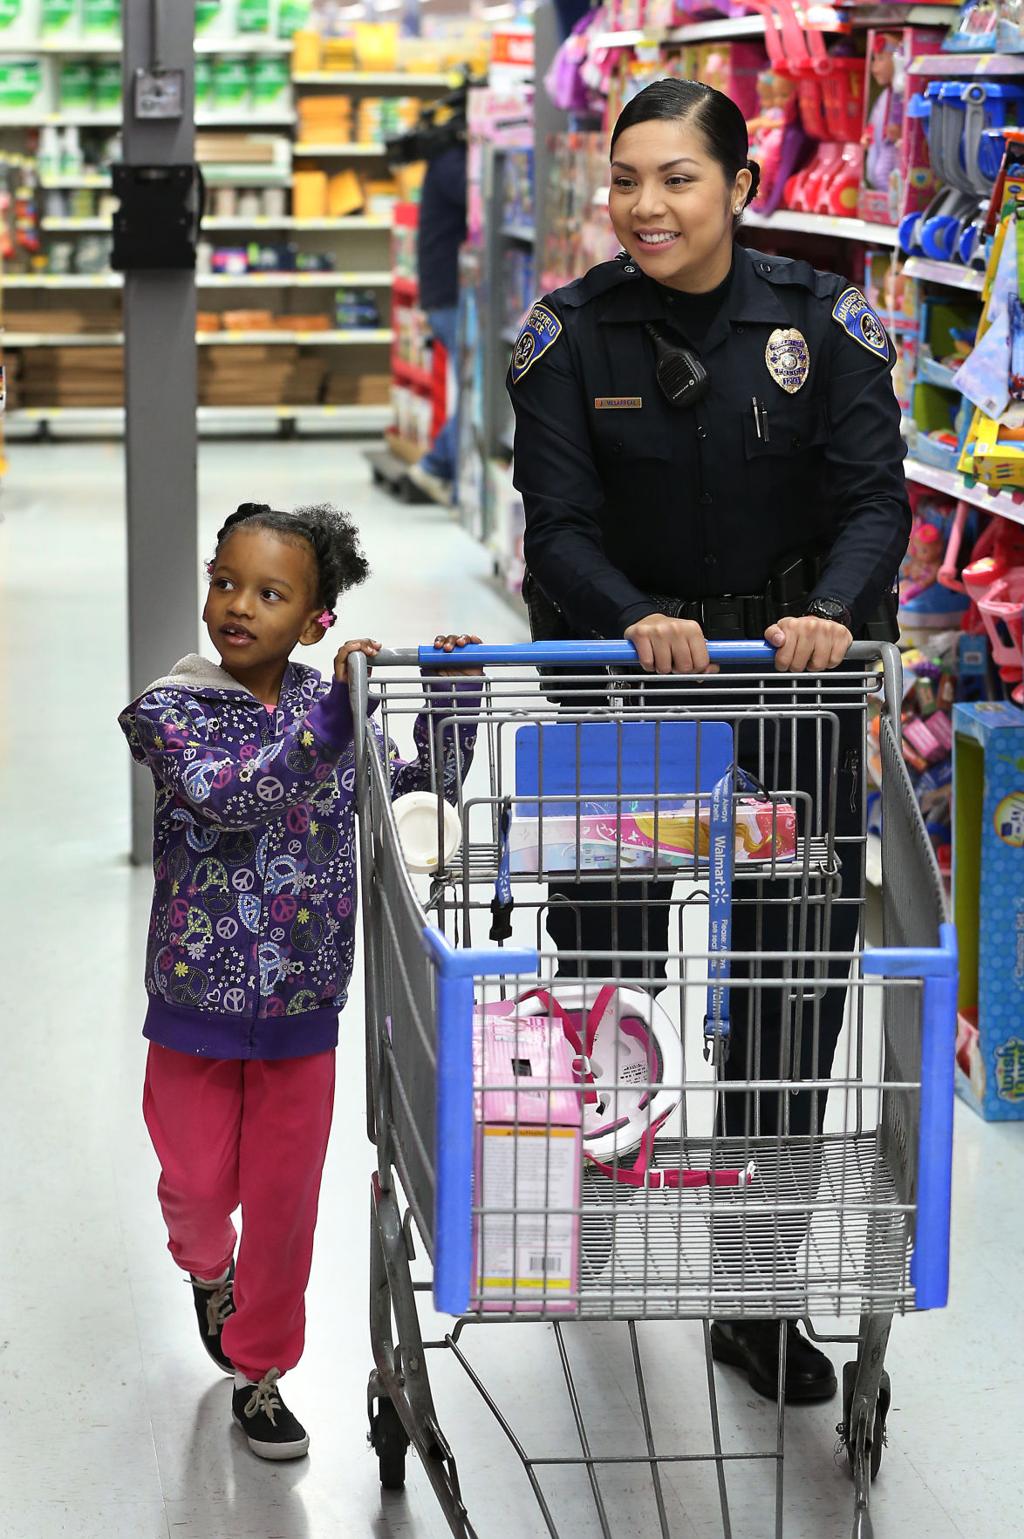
[209, 568]
[327, 619]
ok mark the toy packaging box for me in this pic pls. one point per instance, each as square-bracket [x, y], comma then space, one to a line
[607, 837]
[528, 1163]
[898, 176]
[988, 906]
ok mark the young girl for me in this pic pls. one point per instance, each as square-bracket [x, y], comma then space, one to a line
[252, 935]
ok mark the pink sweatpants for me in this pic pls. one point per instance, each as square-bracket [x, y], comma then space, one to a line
[252, 1132]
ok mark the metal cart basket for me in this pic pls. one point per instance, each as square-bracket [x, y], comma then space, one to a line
[730, 1108]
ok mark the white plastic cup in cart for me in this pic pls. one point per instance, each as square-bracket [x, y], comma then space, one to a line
[416, 819]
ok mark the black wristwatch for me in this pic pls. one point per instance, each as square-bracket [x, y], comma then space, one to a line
[831, 609]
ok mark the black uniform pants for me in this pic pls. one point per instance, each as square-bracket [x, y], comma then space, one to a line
[772, 1034]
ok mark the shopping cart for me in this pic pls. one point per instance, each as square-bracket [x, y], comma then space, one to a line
[698, 1175]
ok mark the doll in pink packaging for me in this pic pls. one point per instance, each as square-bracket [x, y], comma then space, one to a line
[885, 121]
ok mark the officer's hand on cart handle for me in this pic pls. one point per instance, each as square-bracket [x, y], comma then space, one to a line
[808, 644]
[666, 645]
[370, 648]
[450, 644]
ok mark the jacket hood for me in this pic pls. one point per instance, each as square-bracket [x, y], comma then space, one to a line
[199, 676]
[195, 676]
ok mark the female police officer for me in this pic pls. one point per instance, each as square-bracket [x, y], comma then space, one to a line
[708, 447]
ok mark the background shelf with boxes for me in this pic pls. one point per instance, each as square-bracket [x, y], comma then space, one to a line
[291, 131]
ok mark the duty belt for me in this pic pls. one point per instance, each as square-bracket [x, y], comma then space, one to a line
[729, 617]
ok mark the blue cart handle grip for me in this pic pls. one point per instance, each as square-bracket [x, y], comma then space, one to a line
[562, 654]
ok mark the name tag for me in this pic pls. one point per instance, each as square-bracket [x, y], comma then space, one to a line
[618, 402]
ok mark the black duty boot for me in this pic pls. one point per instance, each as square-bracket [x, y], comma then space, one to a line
[214, 1303]
[753, 1345]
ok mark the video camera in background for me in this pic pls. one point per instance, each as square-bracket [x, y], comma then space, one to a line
[442, 123]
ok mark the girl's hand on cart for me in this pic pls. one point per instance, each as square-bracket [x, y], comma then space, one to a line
[450, 644]
[665, 645]
[365, 645]
[808, 644]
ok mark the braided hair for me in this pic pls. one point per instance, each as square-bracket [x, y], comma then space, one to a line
[340, 564]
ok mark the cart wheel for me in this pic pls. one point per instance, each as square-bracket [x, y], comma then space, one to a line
[877, 1436]
[389, 1440]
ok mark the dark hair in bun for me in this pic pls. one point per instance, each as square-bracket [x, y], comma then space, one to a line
[334, 539]
[714, 114]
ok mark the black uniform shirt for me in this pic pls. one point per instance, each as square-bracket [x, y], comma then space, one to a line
[627, 496]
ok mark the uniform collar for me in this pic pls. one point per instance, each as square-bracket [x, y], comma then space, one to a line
[751, 299]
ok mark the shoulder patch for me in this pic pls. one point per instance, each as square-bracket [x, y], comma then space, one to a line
[855, 315]
[541, 331]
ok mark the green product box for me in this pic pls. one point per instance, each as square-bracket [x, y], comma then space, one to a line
[253, 16]
[270, 82]
[58, 16]
[101, 18]
[293, 16]
[205, 99]
[75, 86]
[107, 85]
[21, 83]
[230, 83]
[207, 13]
[10, 14]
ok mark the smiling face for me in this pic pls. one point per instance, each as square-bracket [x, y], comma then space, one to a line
[672, 207]
[262, 601]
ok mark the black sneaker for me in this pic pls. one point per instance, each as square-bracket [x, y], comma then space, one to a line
[214, 1303]
[753, 1345]
[271, 1430]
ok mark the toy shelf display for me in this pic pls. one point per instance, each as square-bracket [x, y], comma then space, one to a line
[290, 134]
[419, 365]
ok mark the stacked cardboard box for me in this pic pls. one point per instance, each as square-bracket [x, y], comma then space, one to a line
[237, 149]
[72, 376]
[357, 389]
[325, 120]
[245, 376]
[101, 318]
[305, 382]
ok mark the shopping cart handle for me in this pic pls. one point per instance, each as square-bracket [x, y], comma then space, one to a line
[562, 654]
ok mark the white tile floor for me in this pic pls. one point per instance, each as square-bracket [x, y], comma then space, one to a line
[112, 1425]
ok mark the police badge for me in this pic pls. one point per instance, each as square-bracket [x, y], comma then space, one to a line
[788, 358]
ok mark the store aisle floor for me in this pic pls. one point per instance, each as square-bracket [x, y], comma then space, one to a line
[112, 1423]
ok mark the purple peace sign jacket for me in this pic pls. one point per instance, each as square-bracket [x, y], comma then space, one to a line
[252, 932]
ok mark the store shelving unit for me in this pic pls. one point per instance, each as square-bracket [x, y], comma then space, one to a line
[101, 48]
[379, 336]
[379, 80]
[951, 274]
[361, 262]
[102, 420]
[822, 224]
[956, 66]
[213, 225]
[352, 151]
[1006, 503]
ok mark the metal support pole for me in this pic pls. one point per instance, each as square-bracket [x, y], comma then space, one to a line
[160, 396]
[547, 119]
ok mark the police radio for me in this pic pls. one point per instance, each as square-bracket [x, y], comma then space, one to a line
[682, 377]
